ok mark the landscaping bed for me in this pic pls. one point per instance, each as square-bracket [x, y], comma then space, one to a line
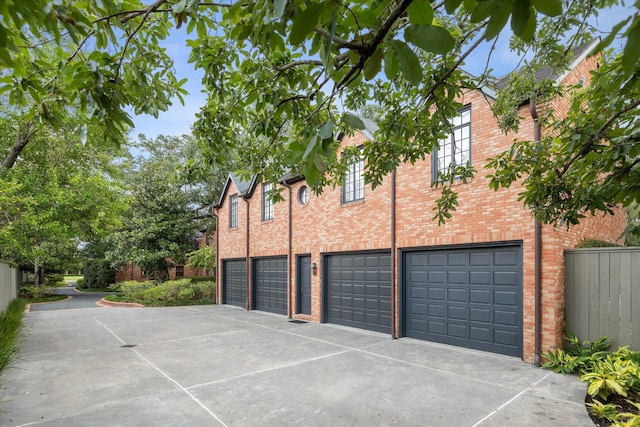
[170, 293]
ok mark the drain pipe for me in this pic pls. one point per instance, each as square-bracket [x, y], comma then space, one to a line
[394, 275]
[217, 272]
[538, 251]
[289, 253]
[247, 261]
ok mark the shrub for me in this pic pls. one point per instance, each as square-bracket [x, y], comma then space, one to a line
[195, 279]
[33, 291]
[595, 243]
[53, 280]
[205, 290]
[172, 291]
[80, 283]
[578, 357]
[134, 289]
[10, 327]
[98, 273]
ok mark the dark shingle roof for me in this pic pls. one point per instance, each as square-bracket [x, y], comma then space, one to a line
[550, 73]
[245, 188]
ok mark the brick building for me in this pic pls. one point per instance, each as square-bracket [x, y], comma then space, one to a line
[201, 239]
[491, 278]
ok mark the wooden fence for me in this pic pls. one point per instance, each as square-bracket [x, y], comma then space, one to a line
[602, 294]
[9, 283]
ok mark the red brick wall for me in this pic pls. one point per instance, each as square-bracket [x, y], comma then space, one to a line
[132, 272]
[325, 225]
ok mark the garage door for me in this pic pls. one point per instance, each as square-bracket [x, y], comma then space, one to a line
[358, 290]
[234, 283]
[270, 284]
[468, 297]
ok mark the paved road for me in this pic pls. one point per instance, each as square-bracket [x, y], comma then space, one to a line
[221, 366]
[78, 300]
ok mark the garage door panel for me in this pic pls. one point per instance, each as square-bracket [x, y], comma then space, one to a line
[481, 296]
[234, 286]
[480, 315]
[270, 284]
[507, 278]
[460, 277]
[457, 295]
[482, 278]
[359, 290]
[480, 259]
[470, 297]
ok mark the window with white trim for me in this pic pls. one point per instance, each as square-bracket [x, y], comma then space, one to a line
[456, 148]
[267, 203]
[353, 186]
[233, 211]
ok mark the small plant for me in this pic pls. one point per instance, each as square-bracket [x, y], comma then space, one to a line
[10, 327]
[618, 373]
[608, 411]
[578, 357]
[80, 283]
[34, 291]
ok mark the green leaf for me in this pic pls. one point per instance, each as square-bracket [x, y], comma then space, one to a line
[326, 130]
[305, 23]
[352, 121]
[179, 7]
[451, 5]
[497, 21]
[310, 146]
[631, 51]
[430, 38]
[483, 10]
[523, 21]
[326, 58]
[548, 7]
[279, 7]
[390, 63]
[373, 65]
[420, 12]
[407, 61]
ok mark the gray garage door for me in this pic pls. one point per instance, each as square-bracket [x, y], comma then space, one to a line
[358, 290]
[468, 297]
[234, 283]
[270, 284]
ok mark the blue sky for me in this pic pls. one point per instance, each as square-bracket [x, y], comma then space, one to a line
[179, 118]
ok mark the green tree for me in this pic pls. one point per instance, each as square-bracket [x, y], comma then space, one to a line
[159, 228]
[61, 194]
[282, 74]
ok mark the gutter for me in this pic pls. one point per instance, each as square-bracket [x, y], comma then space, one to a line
[538, 252]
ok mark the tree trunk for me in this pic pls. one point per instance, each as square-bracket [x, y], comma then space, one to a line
[23, 136]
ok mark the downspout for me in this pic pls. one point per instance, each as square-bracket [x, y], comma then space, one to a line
[217, 278]
[538, 252]
[394, 275]
[247, 263]
[289, 254]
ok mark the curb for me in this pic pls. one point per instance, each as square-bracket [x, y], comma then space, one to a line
[104, 303]
[27, 308]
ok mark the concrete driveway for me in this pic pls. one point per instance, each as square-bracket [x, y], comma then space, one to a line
[218, 365]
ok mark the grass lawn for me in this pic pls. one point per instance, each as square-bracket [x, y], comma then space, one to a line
[71, 277]
[46, 298]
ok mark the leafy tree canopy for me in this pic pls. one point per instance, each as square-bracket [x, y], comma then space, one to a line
[282, 74]
[159, 229]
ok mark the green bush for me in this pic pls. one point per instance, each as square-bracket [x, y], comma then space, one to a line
[195, 279]
[98, 273]
[134, 289]
[10, 326]
[170, 292]
[54, 280]
[595, 243]
[80, 283]
[33, 291]
[614, 374]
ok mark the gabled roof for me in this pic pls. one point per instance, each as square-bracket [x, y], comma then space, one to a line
[550, 73]
[245, 188]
